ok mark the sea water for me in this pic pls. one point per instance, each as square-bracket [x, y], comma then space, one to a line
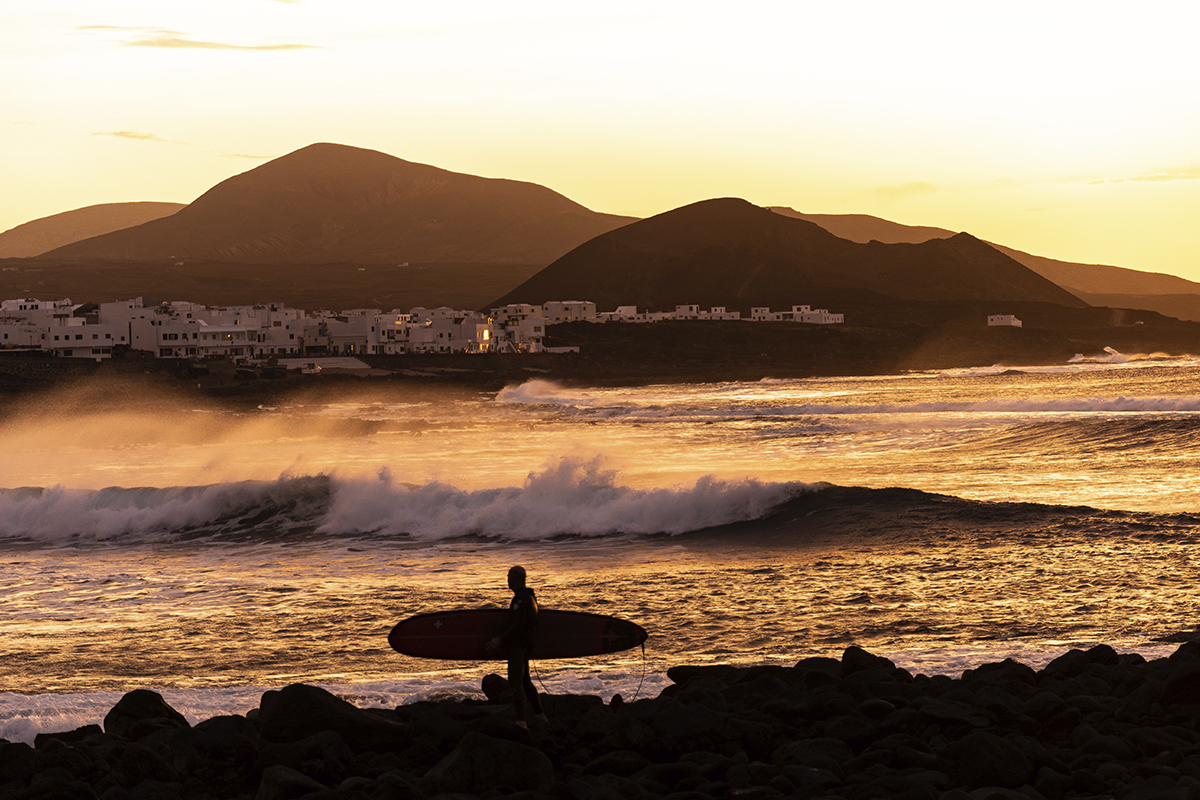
[942, 519]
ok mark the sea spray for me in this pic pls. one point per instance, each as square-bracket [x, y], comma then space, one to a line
[570, 497]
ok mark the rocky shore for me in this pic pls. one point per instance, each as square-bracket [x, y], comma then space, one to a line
[1090, 724]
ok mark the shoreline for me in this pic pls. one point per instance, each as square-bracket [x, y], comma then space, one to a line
[1091, 723]
[615, 355]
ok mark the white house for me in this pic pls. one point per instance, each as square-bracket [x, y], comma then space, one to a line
[1003, 320]
[719, 313]
[556, 311]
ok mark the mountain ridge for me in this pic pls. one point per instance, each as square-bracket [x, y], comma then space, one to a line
[335, 203]
[729, 252]
[1098, 284]
[43, 234]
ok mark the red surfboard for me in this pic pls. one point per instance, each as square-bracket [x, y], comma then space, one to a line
[464, 634]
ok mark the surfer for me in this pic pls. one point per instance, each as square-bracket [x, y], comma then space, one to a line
[517, 640]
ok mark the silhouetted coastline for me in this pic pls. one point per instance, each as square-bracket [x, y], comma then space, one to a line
[1091, 723]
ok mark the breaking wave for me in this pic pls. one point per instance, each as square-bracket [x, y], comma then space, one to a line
[570, 498]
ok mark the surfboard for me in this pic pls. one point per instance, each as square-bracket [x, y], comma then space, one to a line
[464, 634]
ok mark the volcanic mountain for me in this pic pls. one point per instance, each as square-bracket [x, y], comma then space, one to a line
[40, 235]
[1097, 284]
[727, 252]
[330, 203]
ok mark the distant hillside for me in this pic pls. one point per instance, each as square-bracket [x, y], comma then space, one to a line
[731, 253]
[41, 235]
[330, 203]
[1097, 284]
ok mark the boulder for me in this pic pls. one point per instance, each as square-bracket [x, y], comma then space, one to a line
[299, 711]
[981, 759]
[283, 783]
[480, 763]
[324, 757]
[18, 762]
[140, 713]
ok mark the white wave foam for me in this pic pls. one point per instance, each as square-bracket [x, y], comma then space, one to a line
[542, 392]
[569, 498]
[58, 514]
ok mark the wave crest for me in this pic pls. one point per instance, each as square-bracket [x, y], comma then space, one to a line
[568, 498]
[572, 497]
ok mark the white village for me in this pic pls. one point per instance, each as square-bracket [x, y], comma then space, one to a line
[182, 329]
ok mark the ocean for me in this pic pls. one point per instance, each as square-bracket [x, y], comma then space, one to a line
[942, 519]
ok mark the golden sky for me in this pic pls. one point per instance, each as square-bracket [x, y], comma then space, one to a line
[1066, 129]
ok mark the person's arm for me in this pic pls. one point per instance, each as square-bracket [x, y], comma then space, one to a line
[515, 616]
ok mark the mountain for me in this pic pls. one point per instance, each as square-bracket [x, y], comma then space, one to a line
[732, 253]
[330, 203]
[1097, 284]
[41, 235]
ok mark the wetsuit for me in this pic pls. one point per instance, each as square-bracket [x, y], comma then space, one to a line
[518, 643]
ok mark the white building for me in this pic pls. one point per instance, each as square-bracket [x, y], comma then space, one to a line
[556, 311]
[719, 313]
[1002, 320]
[817, 316]
[52, 325]
[687, 312]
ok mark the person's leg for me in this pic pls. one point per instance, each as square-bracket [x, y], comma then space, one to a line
[531, 693]
[518, 667]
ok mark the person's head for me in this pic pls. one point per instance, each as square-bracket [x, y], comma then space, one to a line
[516, 578]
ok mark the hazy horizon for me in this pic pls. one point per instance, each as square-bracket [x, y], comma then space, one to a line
[1064, 131]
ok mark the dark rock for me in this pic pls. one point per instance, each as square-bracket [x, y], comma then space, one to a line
[1182, 686]
[823, 754]
[1052, 784]
[141, 712]
[54, 787]
[683, 727]
[67, 737]
[668, 778]
[620, 762]
[219, 753]
[158, 790]
[830, 666]
[299, 711]
[496, 689]
[137, 763]
[480, 763]
[18, 762]
[982, 759]
[719, 674]
[855, 659]
[1188, 651]
[324, 757]
[1068, 665]
[1008, 673]
[283, 783]
[853, 729]
[1104, 655]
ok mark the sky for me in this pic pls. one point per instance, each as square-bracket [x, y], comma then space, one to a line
[1066, 129]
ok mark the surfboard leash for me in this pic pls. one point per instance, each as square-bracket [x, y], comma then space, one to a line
[638, 691]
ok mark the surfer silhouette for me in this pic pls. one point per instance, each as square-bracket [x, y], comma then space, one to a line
[517, 640]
